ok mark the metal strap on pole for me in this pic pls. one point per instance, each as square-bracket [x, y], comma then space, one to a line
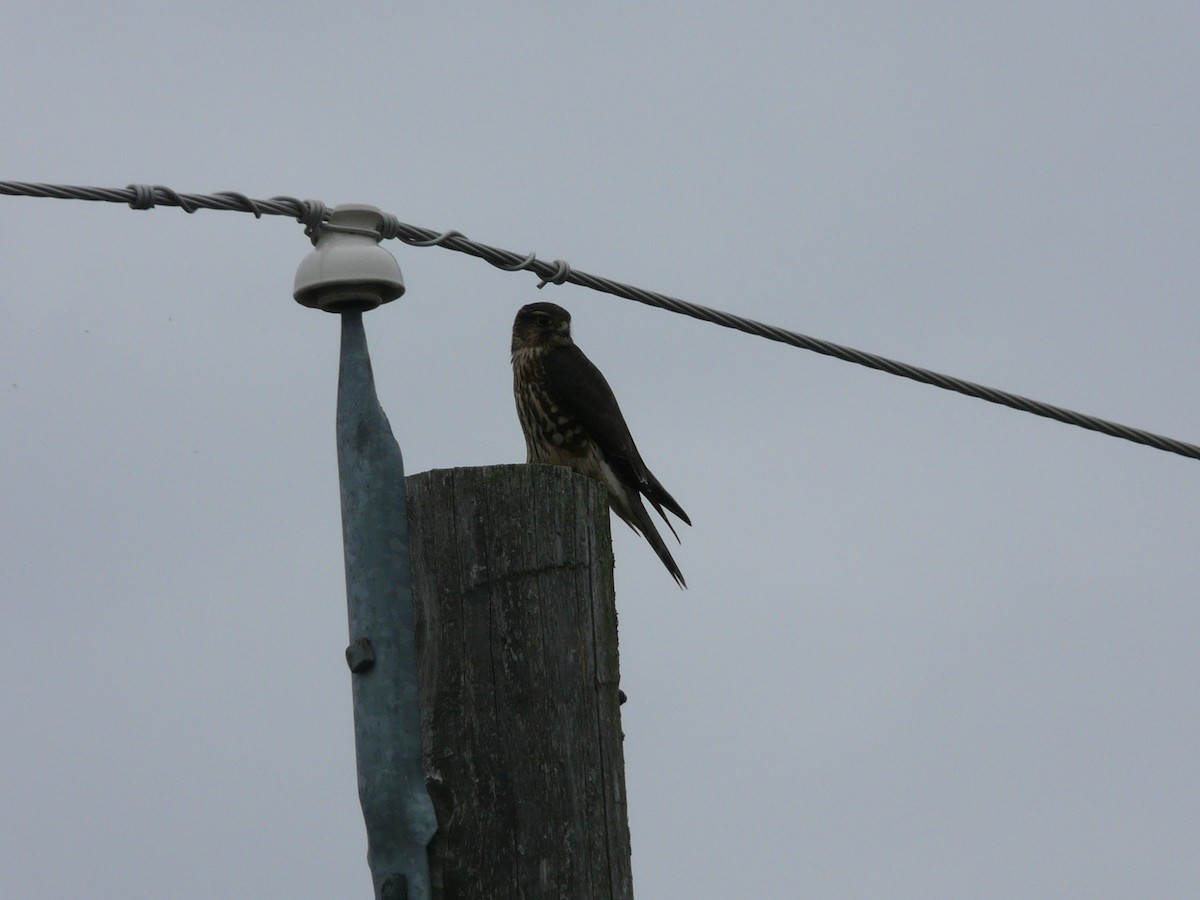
[349, 273]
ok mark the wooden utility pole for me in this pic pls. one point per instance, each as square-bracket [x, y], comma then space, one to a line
[518, 671]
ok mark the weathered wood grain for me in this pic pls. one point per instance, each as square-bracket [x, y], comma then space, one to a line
[517, 649]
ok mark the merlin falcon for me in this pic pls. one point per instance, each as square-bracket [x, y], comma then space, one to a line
[570, 417]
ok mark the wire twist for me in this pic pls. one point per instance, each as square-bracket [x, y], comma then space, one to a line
[313, 214]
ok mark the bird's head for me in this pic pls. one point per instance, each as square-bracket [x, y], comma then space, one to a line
[541, 325]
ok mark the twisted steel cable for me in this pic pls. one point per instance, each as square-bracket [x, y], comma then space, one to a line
[312, 213]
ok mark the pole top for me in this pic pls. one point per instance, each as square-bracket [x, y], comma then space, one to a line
[348, 271]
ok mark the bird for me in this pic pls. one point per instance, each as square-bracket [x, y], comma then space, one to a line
[570, 417]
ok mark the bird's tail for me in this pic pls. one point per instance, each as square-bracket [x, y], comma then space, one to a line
[659, 498]
[639, 520]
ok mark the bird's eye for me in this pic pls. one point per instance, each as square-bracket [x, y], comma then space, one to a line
[543, 320]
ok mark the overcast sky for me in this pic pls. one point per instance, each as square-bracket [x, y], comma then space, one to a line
[931, 647]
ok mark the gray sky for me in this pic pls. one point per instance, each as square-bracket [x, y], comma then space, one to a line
[931, 648]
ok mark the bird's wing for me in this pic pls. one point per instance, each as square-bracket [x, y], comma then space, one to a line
[583, 393]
